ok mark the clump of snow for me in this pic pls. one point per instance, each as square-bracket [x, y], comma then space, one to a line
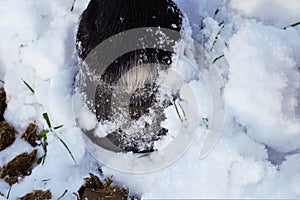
[264, 83]
[85, 118]
[272, 12]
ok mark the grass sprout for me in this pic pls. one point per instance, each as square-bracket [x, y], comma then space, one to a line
[8, 193]
[216, 12]
[176, 108]
[29, 87]
[58, 127]
[205, 122]
[182, 110]
[46, 117]
[222, 25]
[61, 196]
[216, 59]
[145, 155]
[43, 137]
[73, 5]
[66, 146]
[293, 25]
[178, 113]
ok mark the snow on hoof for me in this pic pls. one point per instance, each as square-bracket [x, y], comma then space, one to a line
[126, 95]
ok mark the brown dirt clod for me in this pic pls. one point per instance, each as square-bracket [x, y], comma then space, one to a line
[30, 134]
[18, 167]
[3, 104]
[7, 135]
[95, 189]
[37, 195]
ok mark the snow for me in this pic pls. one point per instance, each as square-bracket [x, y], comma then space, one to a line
[263, 83]
[257, 9]
[258, 155]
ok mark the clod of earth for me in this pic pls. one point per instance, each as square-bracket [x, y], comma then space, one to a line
[30, 134]
[37, 195]
[18, 167]
[7, 135]
[100, 190]
[2, 103]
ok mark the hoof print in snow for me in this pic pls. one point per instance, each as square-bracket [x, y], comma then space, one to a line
[37, 195]
[30, 134]
[18, 167]
[3, 104]
[7, 135]
[94, 188]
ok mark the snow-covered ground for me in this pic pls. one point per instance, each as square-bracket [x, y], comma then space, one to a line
[258, 155]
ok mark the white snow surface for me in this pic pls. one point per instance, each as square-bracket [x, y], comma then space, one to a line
[258, 155]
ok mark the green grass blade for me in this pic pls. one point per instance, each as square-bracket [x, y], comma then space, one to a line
[42, 134]
[216, 12]
[216, 59]
[73, 5]
[222, 25]
[177, 111]
[205, 122]
[66, 146]
[8, 194]
[295, 24]
[65, 192]
[29, 87]
[182, 110]
[58, 127]
[46, 117]
[39, 160]
[292, 25]
[145, 155]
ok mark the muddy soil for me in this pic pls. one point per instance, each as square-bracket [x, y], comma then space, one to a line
[7, 132]
[30, 134]
[18, 167]
[95, 189]
[7, 135]
[37, 195]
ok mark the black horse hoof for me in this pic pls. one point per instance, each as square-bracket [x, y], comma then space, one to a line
[132, 76]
